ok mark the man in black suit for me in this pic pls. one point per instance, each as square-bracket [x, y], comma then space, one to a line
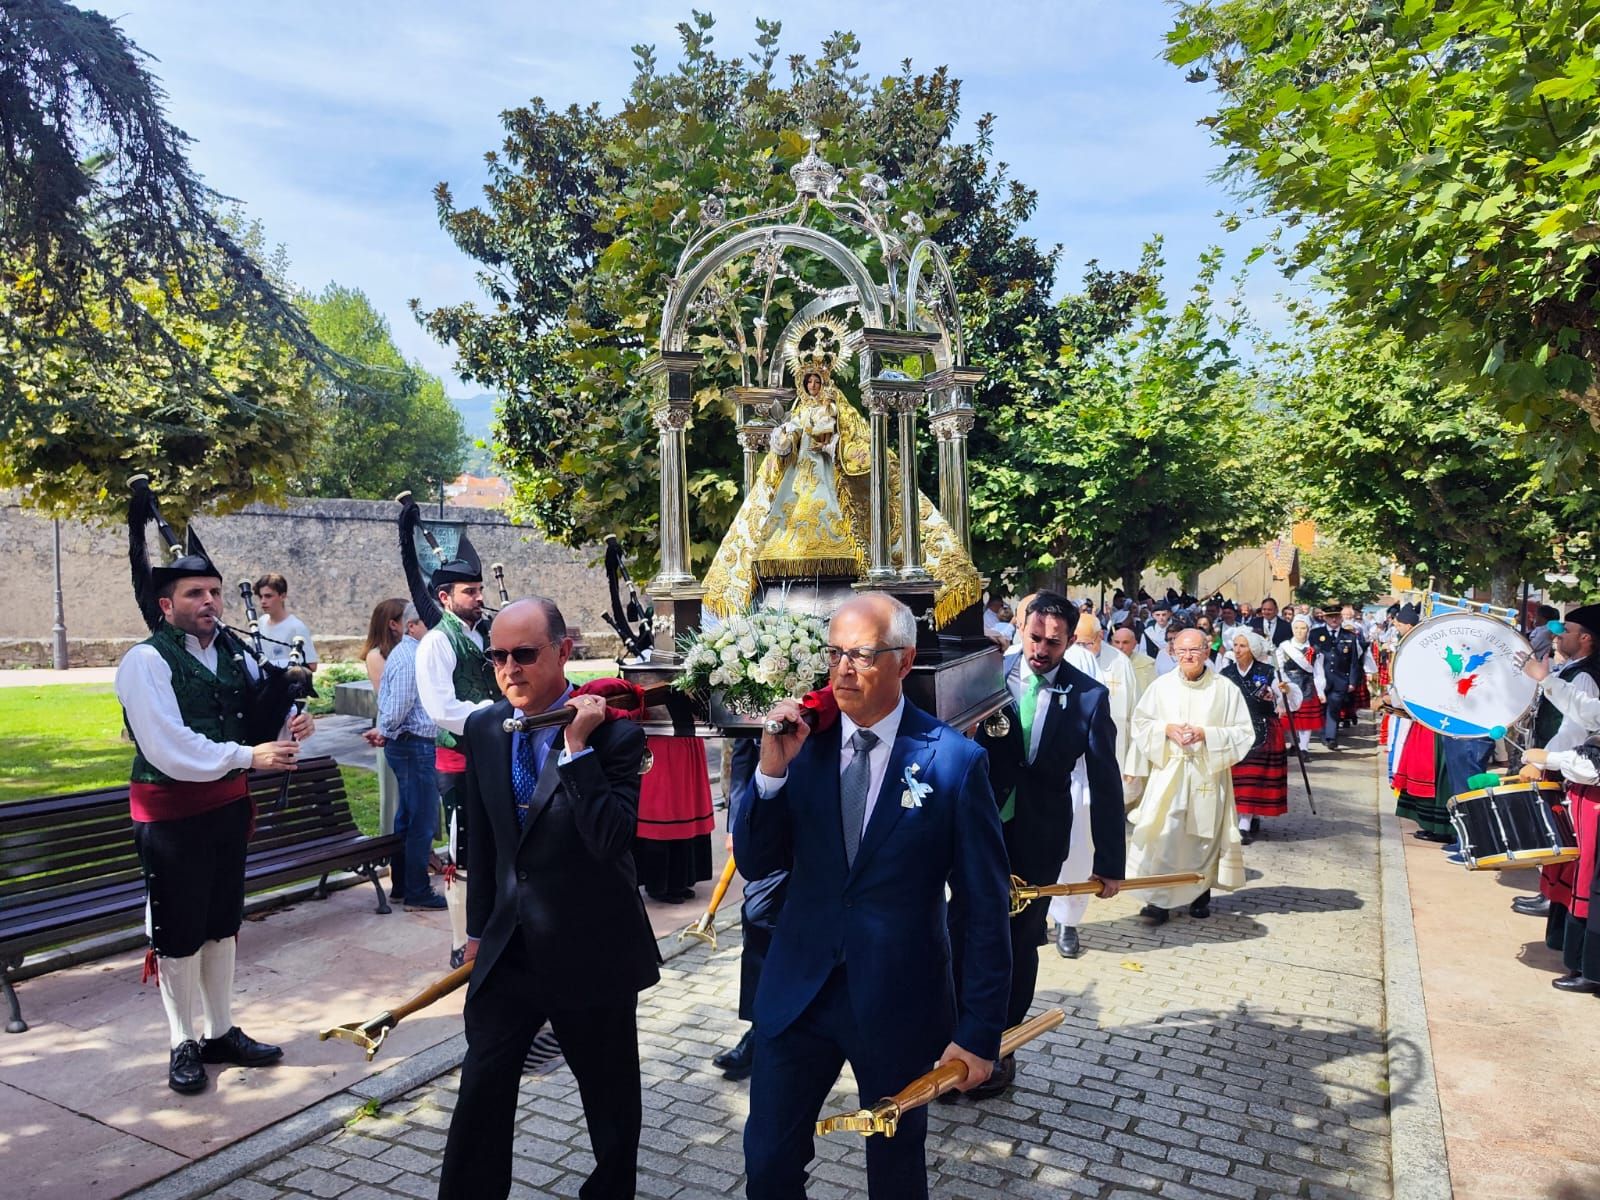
[1269, 625]
[1061, 714]
[554, 921]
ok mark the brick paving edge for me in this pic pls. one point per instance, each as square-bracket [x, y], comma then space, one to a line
[206, 1175]
[1418, 1165]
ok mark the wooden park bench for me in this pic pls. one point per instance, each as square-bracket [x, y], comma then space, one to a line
[68, 868]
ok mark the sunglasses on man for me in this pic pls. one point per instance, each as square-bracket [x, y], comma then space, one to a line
[523, 656]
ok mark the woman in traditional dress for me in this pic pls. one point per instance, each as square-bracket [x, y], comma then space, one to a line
[808, 514]
[1297, 659]
[1261, 778]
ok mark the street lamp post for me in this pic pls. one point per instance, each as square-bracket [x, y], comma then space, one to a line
[58, 631]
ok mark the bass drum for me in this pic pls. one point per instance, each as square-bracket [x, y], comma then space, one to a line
[1457, 675]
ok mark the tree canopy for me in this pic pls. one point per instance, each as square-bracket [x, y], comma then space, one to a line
[1153, 453]
[139, 327]
[1334, 572]
[1399, 462]
[386, 425]
[586, 213]
[1438, 166]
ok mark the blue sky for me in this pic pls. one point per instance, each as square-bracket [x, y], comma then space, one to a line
[332, 122]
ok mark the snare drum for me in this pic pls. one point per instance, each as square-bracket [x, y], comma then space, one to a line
[1515, 824]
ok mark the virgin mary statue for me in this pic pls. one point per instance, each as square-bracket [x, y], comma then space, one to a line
[807, 516]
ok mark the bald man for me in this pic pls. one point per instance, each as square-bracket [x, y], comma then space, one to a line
[873, 819]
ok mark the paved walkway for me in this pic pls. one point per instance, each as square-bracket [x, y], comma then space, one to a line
[1516, 1060]
[1239, 1057]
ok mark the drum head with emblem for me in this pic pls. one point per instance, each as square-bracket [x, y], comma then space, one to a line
[1457, 674]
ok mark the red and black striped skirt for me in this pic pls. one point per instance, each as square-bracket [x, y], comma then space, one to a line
[1261, 778]
[1309, 715]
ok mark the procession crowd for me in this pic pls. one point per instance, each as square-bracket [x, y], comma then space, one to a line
[1150, 739]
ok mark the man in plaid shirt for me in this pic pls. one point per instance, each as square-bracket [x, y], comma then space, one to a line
[407, 735]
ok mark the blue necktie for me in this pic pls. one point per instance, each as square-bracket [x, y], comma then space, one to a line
[525, 767]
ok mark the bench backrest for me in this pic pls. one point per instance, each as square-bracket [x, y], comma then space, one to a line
[82, 842]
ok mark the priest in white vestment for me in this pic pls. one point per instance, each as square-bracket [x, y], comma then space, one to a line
[1191, 726]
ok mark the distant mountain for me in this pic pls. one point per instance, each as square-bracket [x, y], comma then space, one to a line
[477, 412]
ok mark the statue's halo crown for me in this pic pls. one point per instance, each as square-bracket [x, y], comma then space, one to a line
[820, 343]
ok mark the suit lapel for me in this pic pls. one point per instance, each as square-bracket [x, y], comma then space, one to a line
[543, 791]
[912, 745]
[495, 778]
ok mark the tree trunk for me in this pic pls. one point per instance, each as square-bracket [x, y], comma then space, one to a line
[1132, 575]
[1503, 584]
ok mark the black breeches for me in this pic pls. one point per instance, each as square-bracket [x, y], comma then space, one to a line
[194, 877]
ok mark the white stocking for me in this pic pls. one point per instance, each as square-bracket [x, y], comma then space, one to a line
[1244, 824]
[216, 985]
[1305, 739]
[455, 895]
[179, 980]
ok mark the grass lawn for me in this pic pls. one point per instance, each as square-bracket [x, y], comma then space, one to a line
[67, 737]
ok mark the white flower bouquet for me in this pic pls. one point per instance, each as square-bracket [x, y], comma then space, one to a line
[753, 661]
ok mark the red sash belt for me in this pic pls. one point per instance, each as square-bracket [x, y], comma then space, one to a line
[176, 799]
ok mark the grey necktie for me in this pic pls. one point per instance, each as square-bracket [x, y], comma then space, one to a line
[853, 792]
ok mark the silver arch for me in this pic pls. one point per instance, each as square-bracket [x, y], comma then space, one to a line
[673, 329]
[928, 251]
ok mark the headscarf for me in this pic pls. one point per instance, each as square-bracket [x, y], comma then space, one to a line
[1259, 650]
[1301, 620]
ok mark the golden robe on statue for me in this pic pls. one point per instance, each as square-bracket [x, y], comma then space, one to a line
[808, 514]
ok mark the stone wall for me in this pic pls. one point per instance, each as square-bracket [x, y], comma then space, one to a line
[340, 557]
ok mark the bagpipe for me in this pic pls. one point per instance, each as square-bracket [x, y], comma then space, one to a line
[273, 691]
[631, 621]
[411, 527]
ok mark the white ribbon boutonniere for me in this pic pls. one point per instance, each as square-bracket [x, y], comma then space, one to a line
[1060, 693]
[915, 788]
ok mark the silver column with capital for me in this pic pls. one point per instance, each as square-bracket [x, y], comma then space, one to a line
[951, 427]
[669, 374]
[879, 404]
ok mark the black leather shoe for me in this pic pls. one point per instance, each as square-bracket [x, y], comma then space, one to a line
[1422, 835]
[1567, 983]
[1531, 906]
[1154, 914]
[184, 1072]
[432, 901]
[737, 1063]
[1005, 1074]
[458, 958]
[1067, 942]
[239, 1048]
[1246, 837]
[1201, 907]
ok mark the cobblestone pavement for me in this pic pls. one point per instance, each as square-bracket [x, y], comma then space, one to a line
[1240, 1057]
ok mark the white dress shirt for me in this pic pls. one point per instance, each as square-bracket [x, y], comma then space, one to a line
[877, 758]
[436, 685]
[1572, 731]
[144, 688]
[1041, 702]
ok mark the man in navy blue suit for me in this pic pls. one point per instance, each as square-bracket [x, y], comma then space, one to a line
[872, 819]
[1061, 715]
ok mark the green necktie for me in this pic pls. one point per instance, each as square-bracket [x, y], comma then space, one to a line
[1031, 684]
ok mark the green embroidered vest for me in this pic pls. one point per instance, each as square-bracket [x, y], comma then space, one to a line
[211, 705]
[473, 679]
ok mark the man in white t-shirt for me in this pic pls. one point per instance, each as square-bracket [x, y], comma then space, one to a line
[280, 627]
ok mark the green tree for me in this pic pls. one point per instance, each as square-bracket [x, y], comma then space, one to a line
[585, 215]
[1336, 573]
[1436, 165]
[1396, 461]
[385, 425]
[1153, 454]
[98, 204]
[75, 427]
